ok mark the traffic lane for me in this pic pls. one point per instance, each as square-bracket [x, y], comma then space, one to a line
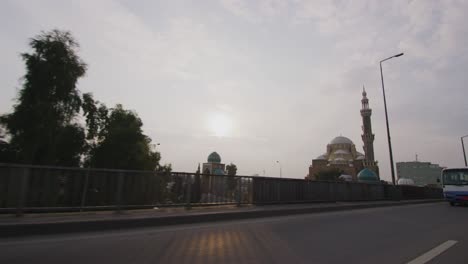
[393, 235]
[458, 254]
[380, 235]
[222, 244]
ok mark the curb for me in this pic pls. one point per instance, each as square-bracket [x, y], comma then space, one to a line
[20, 230]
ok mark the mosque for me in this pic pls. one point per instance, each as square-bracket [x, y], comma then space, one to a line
[341, 153]
[214, 165]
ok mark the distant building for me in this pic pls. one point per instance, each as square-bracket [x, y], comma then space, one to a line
[213, 187]
[421, 173]
[214, 165]
[342, 155]
[367, 136]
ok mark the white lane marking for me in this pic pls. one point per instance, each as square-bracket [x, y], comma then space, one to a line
[426, 257]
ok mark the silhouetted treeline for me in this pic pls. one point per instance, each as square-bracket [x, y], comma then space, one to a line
[43, 128]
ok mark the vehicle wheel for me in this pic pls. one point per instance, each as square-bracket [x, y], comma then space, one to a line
[452, 203]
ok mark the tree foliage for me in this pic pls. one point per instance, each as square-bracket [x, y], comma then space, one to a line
[231, 169]
[196, 186]
[7, 152]
[122, 144]
[41, 126]
[96, 114]
[44, 126]
[231, 181]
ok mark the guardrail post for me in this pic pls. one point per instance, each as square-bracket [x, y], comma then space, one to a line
[23, 190]
[278, 186]
[118, 193]
[239, 191]
[85, 191]
[188, 183]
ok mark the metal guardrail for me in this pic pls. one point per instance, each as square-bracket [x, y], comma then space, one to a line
[25, 188]
[274, 190]
[29, 188]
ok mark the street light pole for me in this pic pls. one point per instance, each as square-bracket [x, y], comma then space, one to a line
[463, 147]
[386, 118]
[281, 176]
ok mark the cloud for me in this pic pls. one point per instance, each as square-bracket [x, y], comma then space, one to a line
[240, 8]
[289, 72]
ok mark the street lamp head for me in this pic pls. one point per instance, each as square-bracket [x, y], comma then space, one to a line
[394, 56]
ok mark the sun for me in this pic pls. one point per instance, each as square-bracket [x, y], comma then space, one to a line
[220, 124]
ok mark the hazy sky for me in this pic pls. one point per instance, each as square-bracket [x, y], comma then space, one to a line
[260, 81]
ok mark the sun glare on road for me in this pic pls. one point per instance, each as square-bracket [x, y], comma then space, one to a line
[219, 124]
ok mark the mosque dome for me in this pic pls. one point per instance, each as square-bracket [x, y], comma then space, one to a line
[214, 158]
[341, 140]
[366, 175]
[405, 181]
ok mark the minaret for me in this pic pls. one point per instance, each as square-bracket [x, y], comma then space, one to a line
[367, 136]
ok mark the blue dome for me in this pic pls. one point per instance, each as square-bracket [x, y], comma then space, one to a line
[214, 158]
[366, 175]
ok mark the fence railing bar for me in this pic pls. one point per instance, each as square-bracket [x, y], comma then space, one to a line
[85, 190]
[30, 189]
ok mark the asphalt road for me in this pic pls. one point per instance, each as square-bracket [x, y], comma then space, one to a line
[378, 235]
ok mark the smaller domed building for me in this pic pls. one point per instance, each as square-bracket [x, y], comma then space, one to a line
[214, 165]
[212, 186]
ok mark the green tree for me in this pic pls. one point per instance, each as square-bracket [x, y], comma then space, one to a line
[231, 181]
[122, 144]
[96, 115]
[7, 152]
[42, 127]
[328, 174]
[231, 169]
[196, 187]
